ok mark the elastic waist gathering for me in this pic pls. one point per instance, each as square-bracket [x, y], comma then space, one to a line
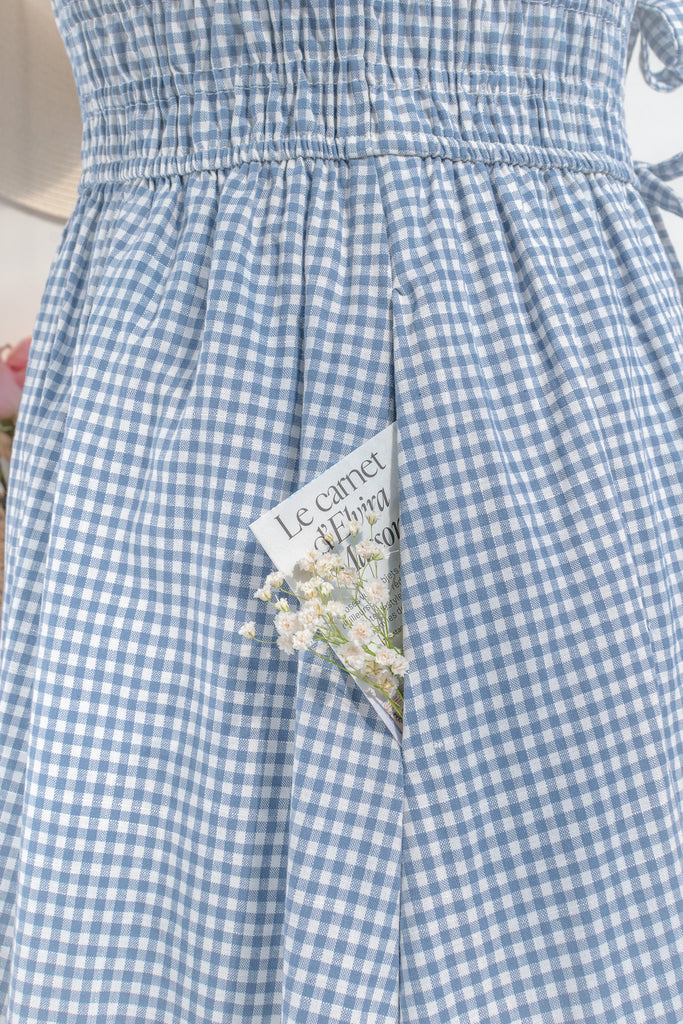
[180, 86]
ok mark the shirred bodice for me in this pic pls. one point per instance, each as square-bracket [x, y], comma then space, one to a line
[179, 86]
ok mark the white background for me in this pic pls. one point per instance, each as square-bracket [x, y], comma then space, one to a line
[654, 121]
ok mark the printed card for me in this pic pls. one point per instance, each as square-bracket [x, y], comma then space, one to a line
[366, 479]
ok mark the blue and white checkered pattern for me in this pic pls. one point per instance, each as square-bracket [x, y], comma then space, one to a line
[298, 222]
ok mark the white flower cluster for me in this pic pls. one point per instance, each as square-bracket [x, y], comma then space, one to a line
[363, 648]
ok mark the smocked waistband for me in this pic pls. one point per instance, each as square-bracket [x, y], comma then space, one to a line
[177, 86]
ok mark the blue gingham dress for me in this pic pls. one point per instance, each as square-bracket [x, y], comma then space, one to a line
[298, 222]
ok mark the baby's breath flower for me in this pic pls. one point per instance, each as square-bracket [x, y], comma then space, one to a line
[387, 681]
[347, 576]
[337, 609]
[376, 591]
[328, 564]
[286, 622]
[361, 633]
[366, 650]
[369, 549]
[353, 655]
[311, 612]
[323, 567]
[384, 655]
[307, 562]
[302, 640]
[284, 642]
[399, 665]
[308, 588]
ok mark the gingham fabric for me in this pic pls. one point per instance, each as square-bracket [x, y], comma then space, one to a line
[298, 222]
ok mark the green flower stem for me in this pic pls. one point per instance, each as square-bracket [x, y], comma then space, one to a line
[344, 668]
[382, 612]
[374, 619]
[361, 580]
[378, 617]
[337, 664]
[337, 629]
[329, 640]
[334, 637]
[359, 676]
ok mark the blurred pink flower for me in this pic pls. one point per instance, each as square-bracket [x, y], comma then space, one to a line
[12, 376]
[17, 359]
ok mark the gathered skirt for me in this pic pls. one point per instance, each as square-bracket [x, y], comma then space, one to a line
[296, 224]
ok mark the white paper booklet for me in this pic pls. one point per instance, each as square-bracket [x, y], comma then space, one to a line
[366, 479]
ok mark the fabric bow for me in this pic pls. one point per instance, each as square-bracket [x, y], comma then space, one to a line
[657, 195]
[659, 23]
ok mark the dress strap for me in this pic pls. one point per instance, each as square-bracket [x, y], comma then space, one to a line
[660, 26]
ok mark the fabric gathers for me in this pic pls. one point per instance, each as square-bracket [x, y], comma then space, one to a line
[300, 222]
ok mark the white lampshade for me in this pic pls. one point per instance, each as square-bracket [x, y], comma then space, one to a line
[40, 117]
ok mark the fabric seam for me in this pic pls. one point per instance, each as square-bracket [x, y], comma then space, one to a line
[225, 164]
